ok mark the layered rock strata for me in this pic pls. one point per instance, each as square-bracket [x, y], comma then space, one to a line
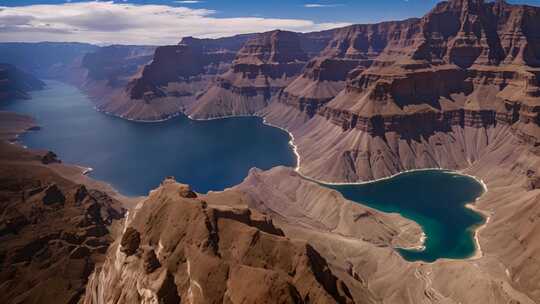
[351, 50]
[435, 87]
[263, 66]
[171, 79]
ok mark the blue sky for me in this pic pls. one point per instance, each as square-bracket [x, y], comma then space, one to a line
[353, 11]
[166, 21]
[359, 11]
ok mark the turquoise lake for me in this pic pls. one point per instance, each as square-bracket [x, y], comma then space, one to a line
[134, 158]
[436, 200]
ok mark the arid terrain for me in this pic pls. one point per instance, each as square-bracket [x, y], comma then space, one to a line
[458, 88]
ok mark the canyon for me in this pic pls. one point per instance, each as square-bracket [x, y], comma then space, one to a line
[458, 88]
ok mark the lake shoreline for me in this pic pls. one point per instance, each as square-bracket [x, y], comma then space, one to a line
[298, 168]
[478, 253]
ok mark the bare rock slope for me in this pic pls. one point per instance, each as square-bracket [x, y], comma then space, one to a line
[262, 67]
[279, 238]
[52, 231]
[169, 81]
[178, 247]
[435, 93]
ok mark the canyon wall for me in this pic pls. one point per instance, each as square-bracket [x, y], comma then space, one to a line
[262, 67]
[433, 94]
[208, 78]
[168, 82]
[458, 88]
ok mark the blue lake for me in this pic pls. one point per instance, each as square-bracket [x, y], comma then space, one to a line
[436, 200]
[134, 158]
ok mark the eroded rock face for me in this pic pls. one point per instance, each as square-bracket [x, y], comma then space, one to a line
[151, 262]
[183, 70]
[52, 231]
[214, 254]
[421, 87]
[262, 67]
[457, 63]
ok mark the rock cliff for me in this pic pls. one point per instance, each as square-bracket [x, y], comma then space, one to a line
[167, 82]
[434, 84]
[262, 67]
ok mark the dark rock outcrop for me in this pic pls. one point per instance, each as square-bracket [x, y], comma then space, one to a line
[53, 195]
[151, 262]
[131, 239]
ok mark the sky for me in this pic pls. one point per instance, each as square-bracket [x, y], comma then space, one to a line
[159, 22]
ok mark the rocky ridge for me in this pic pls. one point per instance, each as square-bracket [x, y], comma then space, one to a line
[180, 246]
[52, 231]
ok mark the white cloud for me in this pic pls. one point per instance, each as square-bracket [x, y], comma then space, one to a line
[318, 5]
[109, 22]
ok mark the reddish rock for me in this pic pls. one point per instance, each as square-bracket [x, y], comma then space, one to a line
[42, 256]
[224, 254]
[263, 66]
